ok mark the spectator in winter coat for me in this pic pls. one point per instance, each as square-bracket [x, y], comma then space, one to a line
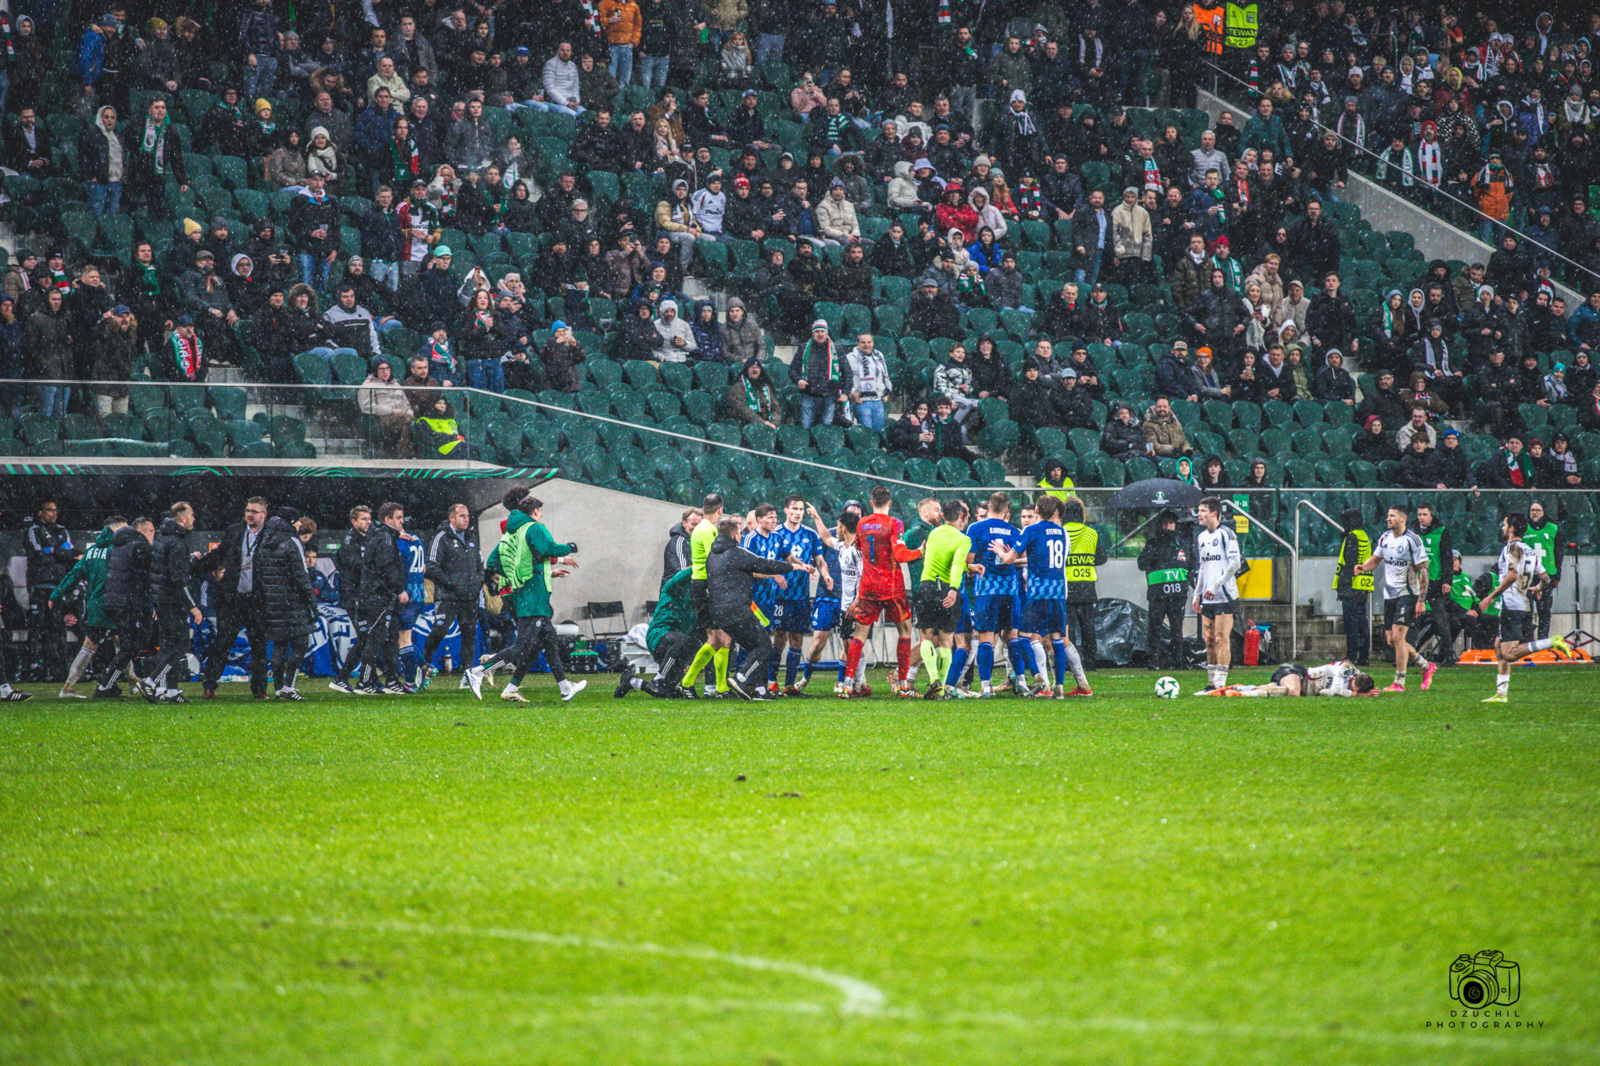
[1162, 432]
[1333, 382]
[742, 338]
[676, 338]
[561, 355]
[707, 334]
[1122, 438]
[751, 399]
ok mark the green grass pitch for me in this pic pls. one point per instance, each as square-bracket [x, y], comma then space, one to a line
[1118, 880]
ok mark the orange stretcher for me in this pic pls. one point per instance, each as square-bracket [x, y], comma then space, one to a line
[1548, 657]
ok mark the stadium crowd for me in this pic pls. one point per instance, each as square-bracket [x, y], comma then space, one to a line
[414, 196]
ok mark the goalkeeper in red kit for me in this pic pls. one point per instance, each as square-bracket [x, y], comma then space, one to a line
[883, 587]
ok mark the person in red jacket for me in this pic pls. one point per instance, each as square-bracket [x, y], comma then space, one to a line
[954, 212]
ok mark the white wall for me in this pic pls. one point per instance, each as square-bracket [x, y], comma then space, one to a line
[620, 540]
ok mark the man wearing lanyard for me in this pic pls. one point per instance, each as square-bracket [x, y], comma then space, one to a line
[240, 606]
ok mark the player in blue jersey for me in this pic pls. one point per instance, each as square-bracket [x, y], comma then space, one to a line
[1044, 547]
[414, 558]
[798, 542]
[759, 540]
[999, 589]
[827, 609]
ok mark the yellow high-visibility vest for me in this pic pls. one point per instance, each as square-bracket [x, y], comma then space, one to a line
[1240, 25]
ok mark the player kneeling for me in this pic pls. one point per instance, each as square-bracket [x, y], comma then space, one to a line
[1291, 679]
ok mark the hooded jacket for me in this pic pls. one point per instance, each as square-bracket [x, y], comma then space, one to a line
[91, 570]
[677, 556]
[532, 600]
[730, 572]
[127, 591]
[288, 602]
[169, 567]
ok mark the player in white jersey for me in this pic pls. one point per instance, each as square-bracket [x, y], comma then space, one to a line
[1342, 678]
[1521, 575]
[1216, 589]
[1405, 575]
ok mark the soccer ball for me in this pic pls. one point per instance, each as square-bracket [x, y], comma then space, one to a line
[864, 689]
[1167, 687]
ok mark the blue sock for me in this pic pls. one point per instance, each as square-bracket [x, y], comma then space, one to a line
[810, 666]
[985, 660]
[791, 665]
[409, 661]
[1058, 648]
[958, 663]
[1022, 658]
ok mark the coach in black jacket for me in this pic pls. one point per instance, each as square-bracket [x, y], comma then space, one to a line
[455, 566]
[175, 606]
[126, 600]
[730, 572]
[678, 555]
[288, 602]
[240, 599]
[382, 588]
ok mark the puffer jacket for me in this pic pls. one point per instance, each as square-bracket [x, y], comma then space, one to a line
[169, 567]
[729, 577]
[1166, 435]
[836, 219]
[383, 572]
[903, 188]
[128, 574]
[742, 342]
[288, 602]
[49, 343]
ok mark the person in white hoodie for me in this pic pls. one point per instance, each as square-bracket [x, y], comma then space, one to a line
[561, 82]
[988, 214]
[710, 205]
[677, 339]
[903, 190]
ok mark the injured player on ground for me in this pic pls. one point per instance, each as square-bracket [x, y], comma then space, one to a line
[1291, 679]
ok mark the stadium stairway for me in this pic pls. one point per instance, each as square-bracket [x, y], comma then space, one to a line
[1321, 637]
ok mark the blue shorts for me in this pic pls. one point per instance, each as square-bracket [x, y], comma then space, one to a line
[999, 613]
[792, 616]
[1043, 617]
[966, 623]
[405, 615]
[824, 614]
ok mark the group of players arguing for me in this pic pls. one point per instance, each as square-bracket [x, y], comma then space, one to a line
[748, 579]
[980, 580]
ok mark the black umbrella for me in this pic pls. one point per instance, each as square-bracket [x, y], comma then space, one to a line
[1153, 494]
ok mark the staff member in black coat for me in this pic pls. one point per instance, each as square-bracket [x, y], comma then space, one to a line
[1166, 561]
[455, 566]
[729, 576]
[175, 606]
[126, 600]
[351, 561]
[239, 606]
[382, 591]
[288, 602]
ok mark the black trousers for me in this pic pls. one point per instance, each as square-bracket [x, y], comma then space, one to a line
[375, 649]
[174, 637]
[135, 629]
[749, 634]
[1163, 632]
[287, 655]
[1080, 628]
[463, 614]
[1357, 628]
[673, 654]
[534, 634]
[47, 635]
[240, 613]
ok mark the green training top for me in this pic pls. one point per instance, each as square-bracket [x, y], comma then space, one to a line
[700, 541]
[945, 555]
[915, 536]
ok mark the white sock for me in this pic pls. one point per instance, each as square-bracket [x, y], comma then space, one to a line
[564, 686]
[1041, 662]
[1075, 661]
[911, 674]
[1502, 683]
[636, 682]
[1541, 645]
[80, 663]
[1222, 676]
[5, 688]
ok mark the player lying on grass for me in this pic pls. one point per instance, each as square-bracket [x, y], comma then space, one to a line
[1522, 575]
[1291, 679]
